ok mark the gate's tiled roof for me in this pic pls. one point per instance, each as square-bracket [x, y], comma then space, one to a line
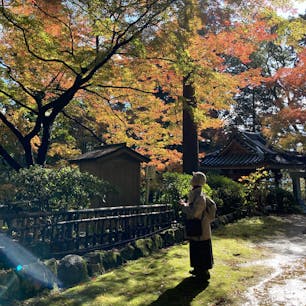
[246, 149]
[232, 159]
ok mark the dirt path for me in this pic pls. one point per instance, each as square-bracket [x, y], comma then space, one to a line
[286, 284]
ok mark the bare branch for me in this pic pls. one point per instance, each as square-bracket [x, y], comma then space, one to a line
[8, 158]
[18, 102]
[138, 20]
[12, 127]
[107, 101]
[9, 70]
[127, 87]
[52, 80]
[83, 126]
[96, 65]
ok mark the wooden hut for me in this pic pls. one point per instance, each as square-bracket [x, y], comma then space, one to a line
[120, 166]
[244, 152]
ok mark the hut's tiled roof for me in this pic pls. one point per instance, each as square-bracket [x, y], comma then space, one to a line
[107, 150]
[251, 149]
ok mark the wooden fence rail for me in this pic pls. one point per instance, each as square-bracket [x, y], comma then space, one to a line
[80, 231]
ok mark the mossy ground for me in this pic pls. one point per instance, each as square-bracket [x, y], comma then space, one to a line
[162, 278]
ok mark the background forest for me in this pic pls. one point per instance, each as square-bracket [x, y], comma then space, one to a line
[160, 76]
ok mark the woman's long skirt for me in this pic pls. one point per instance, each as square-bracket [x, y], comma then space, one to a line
[201, 255]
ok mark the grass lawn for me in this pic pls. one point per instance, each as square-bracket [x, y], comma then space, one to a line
[162, 279]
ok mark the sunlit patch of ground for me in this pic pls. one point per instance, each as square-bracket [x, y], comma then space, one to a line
[286, 284]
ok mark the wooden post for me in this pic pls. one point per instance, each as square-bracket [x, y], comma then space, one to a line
[277, 177]
[150, 173]
[296, 187]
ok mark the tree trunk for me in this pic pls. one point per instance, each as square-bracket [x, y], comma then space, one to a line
[190, 131]
[28, 155]
[45, 142]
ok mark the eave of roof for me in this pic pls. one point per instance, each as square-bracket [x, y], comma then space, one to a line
[232, 160]
[108, 150]
[259, 153]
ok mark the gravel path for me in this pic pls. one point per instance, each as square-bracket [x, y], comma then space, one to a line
[286, 284]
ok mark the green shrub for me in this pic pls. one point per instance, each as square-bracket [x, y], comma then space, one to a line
[55, 189]
[228, 194]
[173, 187]
[282, 201]
[257, 185]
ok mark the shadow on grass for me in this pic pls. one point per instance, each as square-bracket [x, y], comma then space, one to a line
[182, 294]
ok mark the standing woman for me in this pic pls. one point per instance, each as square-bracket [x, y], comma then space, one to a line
[201, 207]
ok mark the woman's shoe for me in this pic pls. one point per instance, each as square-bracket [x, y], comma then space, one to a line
[204, 275]
[193, 272]
[207, 274]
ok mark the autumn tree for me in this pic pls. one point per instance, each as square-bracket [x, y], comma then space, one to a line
[286, 126]
[97, 67]
[255, 102]
[58, 53]
[275, 107]
[195, 50]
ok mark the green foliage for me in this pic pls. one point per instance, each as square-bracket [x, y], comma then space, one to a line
[175, 186]
[228, 194]
[283, 201]
[55, 189]
[7, 189]
[172, 187]
[257, 186]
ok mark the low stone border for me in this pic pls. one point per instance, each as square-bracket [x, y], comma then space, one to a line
[73, 269]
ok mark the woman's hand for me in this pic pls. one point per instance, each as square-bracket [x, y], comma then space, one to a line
[182, 202]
